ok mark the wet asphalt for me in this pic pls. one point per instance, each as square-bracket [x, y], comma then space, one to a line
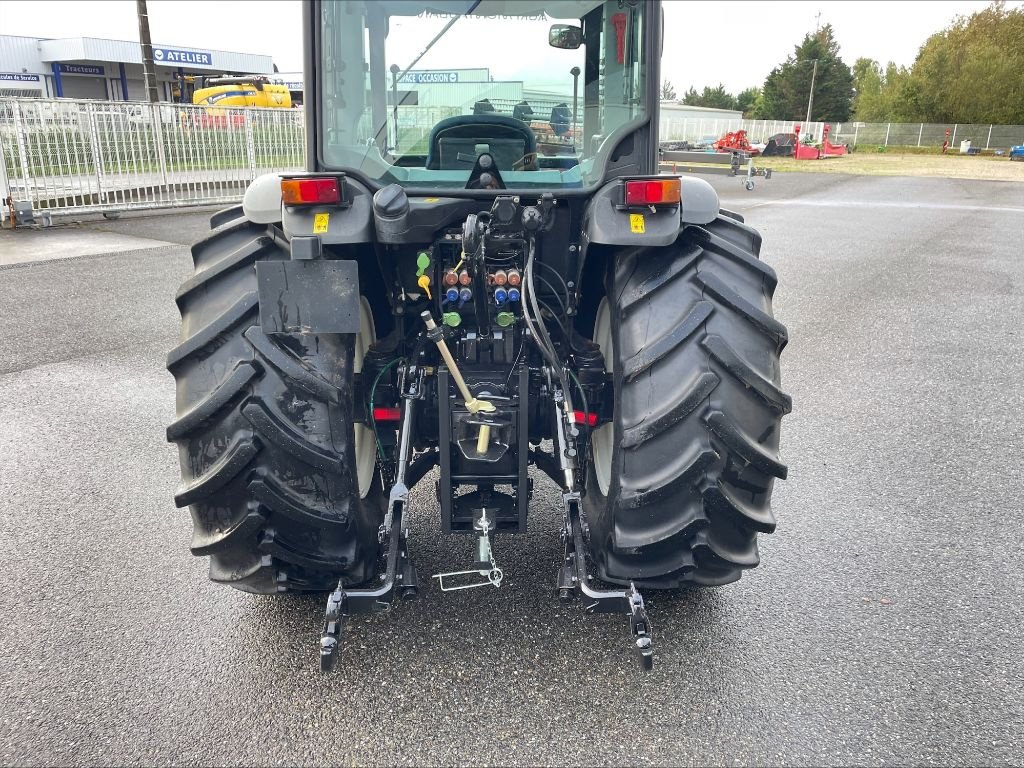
[883, 625]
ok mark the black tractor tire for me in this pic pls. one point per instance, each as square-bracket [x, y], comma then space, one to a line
[694, 438]
[265, 431]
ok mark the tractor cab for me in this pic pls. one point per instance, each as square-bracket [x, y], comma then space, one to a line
[413, 93]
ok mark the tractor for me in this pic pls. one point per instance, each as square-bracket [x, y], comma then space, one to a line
[440, 299]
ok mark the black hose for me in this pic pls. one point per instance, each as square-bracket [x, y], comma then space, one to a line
[543, 338]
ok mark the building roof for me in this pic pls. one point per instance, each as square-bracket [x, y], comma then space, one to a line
[90, 49]
[680, 105]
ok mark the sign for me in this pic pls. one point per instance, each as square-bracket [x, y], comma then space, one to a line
[80, 69]
[18, 77]
[173, 56]
[430, 77]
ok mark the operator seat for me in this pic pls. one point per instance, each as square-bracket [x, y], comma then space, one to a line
[561, 117]
[456, 142]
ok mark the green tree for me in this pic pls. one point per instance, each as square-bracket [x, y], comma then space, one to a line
[786, 89]
[668, 91]
[971, 72]
[867, 83]
[889, 95]
[745, 100]
[716, 97]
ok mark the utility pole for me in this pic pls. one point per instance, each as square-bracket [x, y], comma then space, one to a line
[148, 67]
[810, 98]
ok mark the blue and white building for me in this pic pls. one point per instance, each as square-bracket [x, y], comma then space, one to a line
[94, 68]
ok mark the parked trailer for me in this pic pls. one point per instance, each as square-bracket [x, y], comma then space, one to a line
[714, 164]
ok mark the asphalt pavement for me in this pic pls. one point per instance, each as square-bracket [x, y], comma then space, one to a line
[883, 625]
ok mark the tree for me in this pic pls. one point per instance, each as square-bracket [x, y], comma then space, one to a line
[967, 73]
[867, 82]
[885, 95]
[745, 100]
[716, 97]
[668, 91]
[971, 71]
[787, 87]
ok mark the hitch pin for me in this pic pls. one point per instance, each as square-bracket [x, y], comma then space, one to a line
[436, 335]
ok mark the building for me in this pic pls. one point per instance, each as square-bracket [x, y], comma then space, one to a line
[685, 122]
[93, 68]
[678, 111]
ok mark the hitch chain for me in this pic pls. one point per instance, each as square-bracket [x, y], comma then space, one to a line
[486, 568]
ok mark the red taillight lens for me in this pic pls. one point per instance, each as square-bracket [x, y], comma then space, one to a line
[310, 191]
[386, 414]
[652, 192]
[590, 419]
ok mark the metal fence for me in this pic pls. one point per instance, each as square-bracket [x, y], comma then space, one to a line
[992, 137]
[68, 156]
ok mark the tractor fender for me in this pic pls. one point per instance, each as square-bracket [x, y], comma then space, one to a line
[605, 222]
[332, 224]
[700, 201]
[262, 201]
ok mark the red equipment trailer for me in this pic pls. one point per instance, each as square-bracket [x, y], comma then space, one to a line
[829, 149]
[804, 151]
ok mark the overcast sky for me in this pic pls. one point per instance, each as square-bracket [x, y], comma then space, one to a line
[736, 43]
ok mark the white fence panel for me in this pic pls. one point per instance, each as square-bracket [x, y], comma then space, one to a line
[66, 156]
[989, 137]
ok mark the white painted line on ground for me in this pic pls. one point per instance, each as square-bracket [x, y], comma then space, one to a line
[899, 205]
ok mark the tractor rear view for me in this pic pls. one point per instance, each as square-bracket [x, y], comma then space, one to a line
[442, 293]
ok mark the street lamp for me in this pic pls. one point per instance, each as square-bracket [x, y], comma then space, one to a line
[810, 97]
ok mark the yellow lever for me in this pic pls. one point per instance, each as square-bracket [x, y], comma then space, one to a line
[473, 405]
[424, 283]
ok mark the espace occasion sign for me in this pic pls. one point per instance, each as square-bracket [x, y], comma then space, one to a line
[172, 56]
[430, 77]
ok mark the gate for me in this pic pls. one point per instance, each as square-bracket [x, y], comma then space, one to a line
[66, 156]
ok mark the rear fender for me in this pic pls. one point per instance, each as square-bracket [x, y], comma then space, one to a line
[332, 224]
[606, 222]
[608, 231]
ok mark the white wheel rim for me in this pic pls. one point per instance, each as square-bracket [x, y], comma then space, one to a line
[365, 444]
[602, 439]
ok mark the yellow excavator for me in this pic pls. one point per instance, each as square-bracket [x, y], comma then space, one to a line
[232, 91]
[241, 91]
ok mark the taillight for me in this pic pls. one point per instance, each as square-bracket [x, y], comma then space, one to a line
[382, 413]
[652, 192]
[316, 191]
[590, 419]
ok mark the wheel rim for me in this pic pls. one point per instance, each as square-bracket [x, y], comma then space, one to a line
[602, 439]
[365, 445]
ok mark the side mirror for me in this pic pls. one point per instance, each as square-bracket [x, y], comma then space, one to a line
[565, 36]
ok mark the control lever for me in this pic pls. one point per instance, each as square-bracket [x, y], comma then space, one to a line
[473, 405]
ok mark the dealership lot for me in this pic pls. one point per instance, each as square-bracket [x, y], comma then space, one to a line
[882, 626]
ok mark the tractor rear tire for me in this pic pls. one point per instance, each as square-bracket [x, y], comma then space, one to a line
[282, 496]
[680, 480]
